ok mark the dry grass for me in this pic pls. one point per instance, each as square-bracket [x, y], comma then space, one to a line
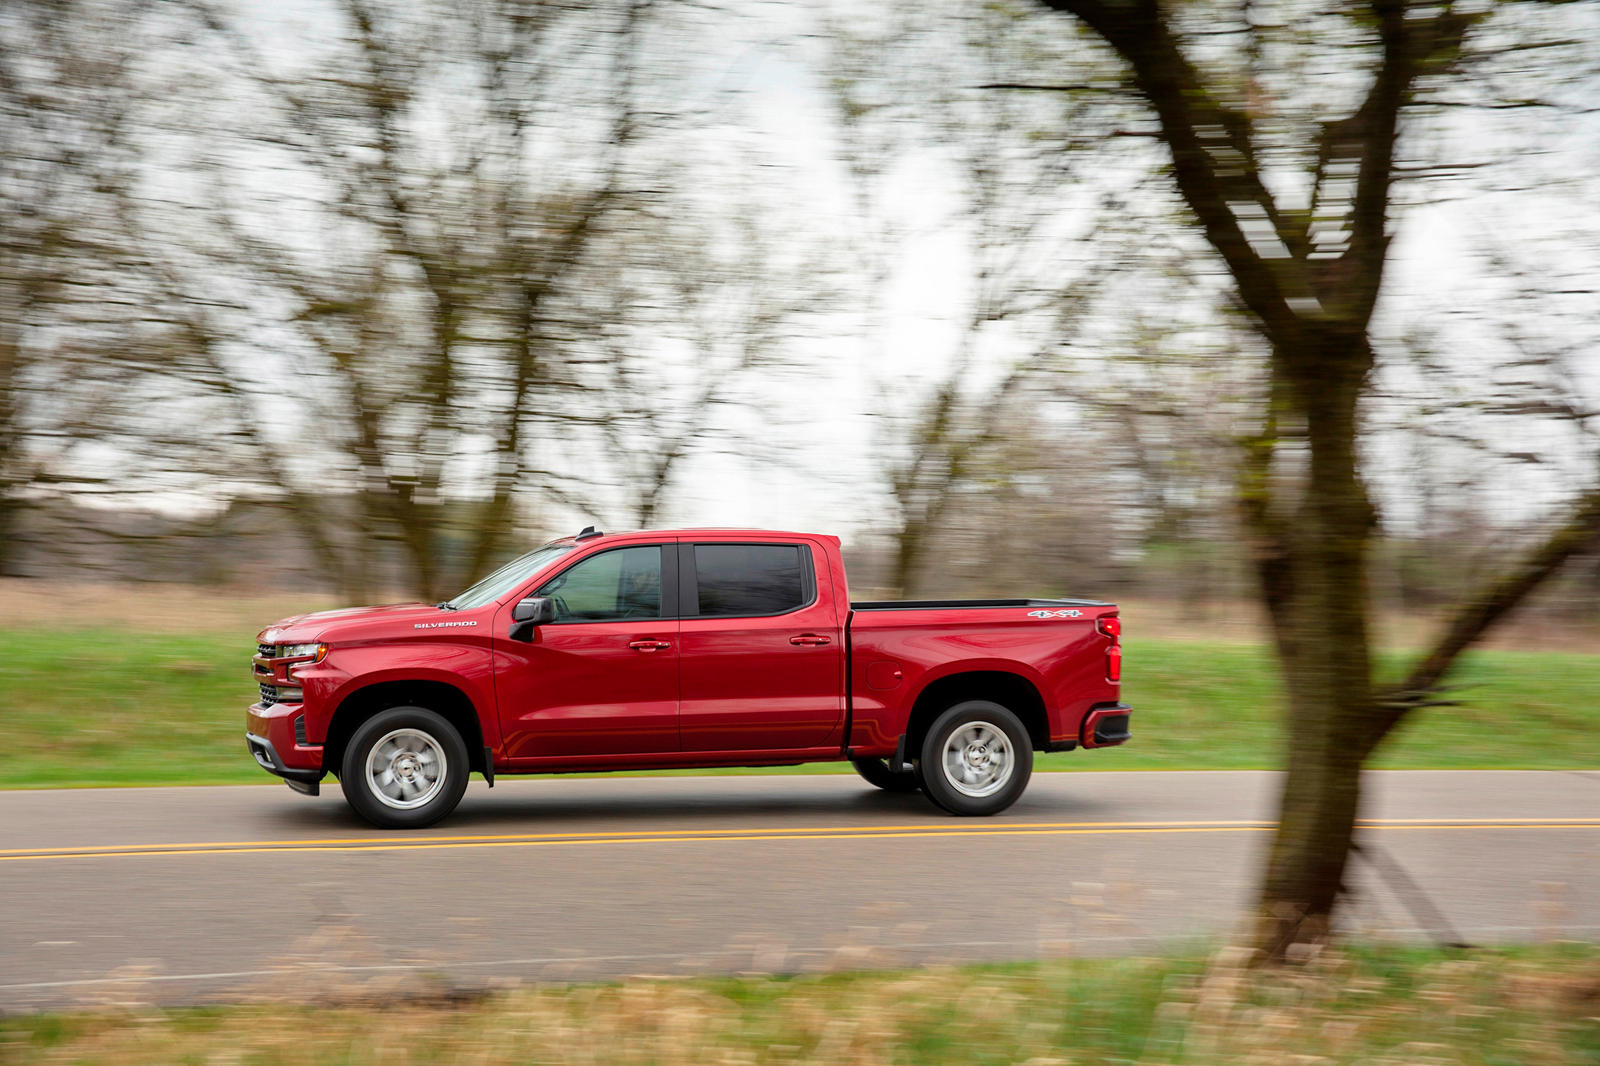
[29, 604]
[1528, 1007]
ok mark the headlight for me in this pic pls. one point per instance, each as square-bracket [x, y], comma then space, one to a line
[314, 652]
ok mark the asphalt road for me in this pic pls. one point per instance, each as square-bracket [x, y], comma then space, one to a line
[189, 894]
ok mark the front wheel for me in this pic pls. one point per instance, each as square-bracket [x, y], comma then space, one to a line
[877, 772]
[976, 758]
[404, 768]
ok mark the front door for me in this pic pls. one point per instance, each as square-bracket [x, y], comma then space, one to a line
[602, 679]
[762, 651]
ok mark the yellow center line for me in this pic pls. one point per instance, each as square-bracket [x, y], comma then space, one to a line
[683, 836]
[707, 833]
[576, 841]
[698, 833]
[602, 834]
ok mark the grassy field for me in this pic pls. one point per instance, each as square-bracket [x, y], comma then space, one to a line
[92, 707]
[1526, 1007]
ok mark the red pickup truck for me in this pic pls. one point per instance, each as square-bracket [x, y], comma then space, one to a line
[681, 648]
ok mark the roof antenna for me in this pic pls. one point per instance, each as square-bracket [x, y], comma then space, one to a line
[588, 531]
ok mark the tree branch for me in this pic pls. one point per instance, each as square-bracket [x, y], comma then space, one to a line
[1021, 86]
[1213, 159]
[1475, 616]
[1375, 124]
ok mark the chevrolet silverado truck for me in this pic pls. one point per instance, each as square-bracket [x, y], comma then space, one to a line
[681, 648]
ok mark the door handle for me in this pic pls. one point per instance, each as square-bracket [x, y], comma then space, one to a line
[808, 638]
[649, 645]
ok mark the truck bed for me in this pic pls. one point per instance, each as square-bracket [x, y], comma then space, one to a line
[1053, 653]
[929, 605]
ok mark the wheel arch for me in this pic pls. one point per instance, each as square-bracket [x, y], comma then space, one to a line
[444, 699]
[1011, 690]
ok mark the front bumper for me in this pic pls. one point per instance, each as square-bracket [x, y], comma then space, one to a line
[307, 781]
[270, 735]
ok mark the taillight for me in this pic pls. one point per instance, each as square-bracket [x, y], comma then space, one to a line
[1111, 626]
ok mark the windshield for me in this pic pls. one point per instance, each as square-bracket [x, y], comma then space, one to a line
[506, 578]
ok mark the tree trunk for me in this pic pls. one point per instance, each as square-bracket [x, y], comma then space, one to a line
[10, 500]
[908, 548]
[10, 544]
[1317, 812]
[1322, 643]
[417, 524]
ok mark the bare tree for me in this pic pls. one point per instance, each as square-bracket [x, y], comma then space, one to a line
[86, 404]
[1308, 270]
[705, 304]
[60, 117]
[908, 98]
[458, 172]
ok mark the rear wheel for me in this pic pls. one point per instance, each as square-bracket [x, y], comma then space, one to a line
[404, 768]
[976, 758]
[877, 772]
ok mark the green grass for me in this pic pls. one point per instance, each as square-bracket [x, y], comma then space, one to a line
[1217, 707]
[1371, 1005]
[90, 708]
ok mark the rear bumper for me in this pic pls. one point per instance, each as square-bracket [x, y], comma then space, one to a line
[1107, 725]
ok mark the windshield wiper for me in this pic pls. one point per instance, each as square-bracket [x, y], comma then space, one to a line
[445, 604]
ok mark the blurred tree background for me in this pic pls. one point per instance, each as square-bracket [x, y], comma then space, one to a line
[1190, 303]
[367, 295]
[1295, 192]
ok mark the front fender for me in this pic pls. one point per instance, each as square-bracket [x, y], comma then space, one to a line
[468, 668]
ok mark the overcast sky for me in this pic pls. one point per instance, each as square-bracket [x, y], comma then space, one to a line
[760, 69]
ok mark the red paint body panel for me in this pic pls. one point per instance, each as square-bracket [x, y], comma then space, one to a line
[371, 649]
[822, 682]
[276, 724]
[583, 690]
[745, 685]
[680, 760]
[1063, 658]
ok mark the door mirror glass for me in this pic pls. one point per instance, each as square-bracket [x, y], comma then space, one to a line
[535, 610]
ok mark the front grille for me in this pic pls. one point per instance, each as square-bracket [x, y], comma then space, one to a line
[269, 695]
[267, 650]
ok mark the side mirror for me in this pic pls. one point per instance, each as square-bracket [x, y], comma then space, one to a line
[533, 611]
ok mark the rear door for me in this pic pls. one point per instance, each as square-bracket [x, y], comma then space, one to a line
[761, 659]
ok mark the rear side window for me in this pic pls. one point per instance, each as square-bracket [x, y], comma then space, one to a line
[751, 579]
[614, 585]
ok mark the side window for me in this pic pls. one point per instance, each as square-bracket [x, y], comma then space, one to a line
[750, 579]
[617, 584]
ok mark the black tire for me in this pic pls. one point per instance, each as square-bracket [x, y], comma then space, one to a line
[986, 774]
[877, 772]
[413, 739]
